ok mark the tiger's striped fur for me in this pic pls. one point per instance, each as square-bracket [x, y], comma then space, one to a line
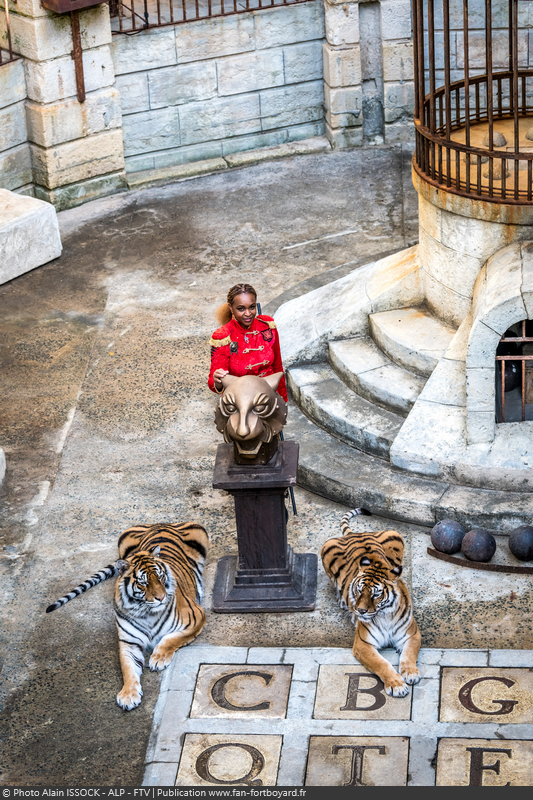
[366, 568]
[157, 597]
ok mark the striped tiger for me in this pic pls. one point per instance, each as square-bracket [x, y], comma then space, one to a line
[157, 597]
[366, 568]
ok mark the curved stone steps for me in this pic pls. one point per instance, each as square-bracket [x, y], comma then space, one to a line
[411, 337]
[323, 396]
[341, 473]
[365, 369]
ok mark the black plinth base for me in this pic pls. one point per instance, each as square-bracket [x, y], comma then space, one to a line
[296, 590]
[266, 575]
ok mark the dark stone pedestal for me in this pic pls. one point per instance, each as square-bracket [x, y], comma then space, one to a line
[266, 575]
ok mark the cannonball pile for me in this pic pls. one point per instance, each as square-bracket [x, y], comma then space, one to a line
[478, 544]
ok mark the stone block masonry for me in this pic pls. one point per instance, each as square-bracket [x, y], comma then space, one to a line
[15, 160]
[219, 86]
[51, 145]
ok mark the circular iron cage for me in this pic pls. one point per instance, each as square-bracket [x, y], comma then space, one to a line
[474, 97]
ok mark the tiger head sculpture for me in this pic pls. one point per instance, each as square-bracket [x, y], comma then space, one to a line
[251, 414]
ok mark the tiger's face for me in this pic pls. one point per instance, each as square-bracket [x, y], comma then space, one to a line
[146, 580]
[368, 595]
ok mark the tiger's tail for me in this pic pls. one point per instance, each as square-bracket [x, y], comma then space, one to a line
[108, 572]
[355, 512]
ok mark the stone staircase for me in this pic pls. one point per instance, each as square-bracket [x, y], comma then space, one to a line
[363, 393]
[358, 400]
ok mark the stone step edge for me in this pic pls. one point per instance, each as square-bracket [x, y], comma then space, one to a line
[331, 431]
[359, 385]
[436, 500]
[146, 179]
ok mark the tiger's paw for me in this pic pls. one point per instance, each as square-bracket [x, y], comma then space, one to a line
[397, 689]
[411, 675]
[129, 699]
[160, 659]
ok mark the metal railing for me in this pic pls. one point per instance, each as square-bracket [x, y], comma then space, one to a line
[474, 134]
[6, 54]
[514, 374]
[133, 16]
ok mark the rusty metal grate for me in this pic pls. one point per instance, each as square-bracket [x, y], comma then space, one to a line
[6, 54]
[462, 110]
[134, 16]
[514, 371]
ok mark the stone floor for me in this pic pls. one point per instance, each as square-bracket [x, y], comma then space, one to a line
[106, 421]
[315, 717]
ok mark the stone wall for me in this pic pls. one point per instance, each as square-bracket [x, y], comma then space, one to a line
[368, 72]
[15, 157]
[76, 148]
[214, 87]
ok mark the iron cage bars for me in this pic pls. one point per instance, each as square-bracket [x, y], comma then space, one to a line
[456, 105]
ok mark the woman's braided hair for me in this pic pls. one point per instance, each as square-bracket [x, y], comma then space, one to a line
[223, 312]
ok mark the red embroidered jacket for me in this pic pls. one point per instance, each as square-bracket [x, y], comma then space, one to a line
[247, 351]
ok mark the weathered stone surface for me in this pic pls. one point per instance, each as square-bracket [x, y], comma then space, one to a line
[333, 761]
[66, 120]
[55, 80]
[133, 90]
[342, 138]
[150, 131]
[342, 23]
[29, 234]
[397, 61]
[456, 270]
[344, 106]
[317, 145]
[75, 161]
[261, 69]
[500, 49]
[290, 105]
[219, 118]
[75, 194]
[367, 370]
[497, 763]
[399, 101]
[12, 83]
[146, 50]
[303, 62]
[242, 691]
[395, 19]
[469, 695]
[214, 38]
[343, 413]
[350, 691]
[182, 84]
[307, 130]
[29, 8]
[229, 757]
[185, 155]
[288, 25]
[342, 67]
[12, 126]
[160, 177]
[238, 147]
[15, 167]
[51, 36]
[448, 305]
[400, 133]
[411, 337]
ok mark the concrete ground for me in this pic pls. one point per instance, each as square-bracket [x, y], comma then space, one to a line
[107, 421]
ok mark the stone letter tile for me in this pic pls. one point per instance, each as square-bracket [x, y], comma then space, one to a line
[350, 691]
[484, 762]
[486, 694]
[242, 691]
[357, 761]
[210, 759]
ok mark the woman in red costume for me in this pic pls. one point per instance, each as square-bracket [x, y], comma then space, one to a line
[247, 343]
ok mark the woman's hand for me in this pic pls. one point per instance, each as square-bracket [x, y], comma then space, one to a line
[218, 374]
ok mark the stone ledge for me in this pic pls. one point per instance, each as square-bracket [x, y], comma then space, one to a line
[159, 177]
